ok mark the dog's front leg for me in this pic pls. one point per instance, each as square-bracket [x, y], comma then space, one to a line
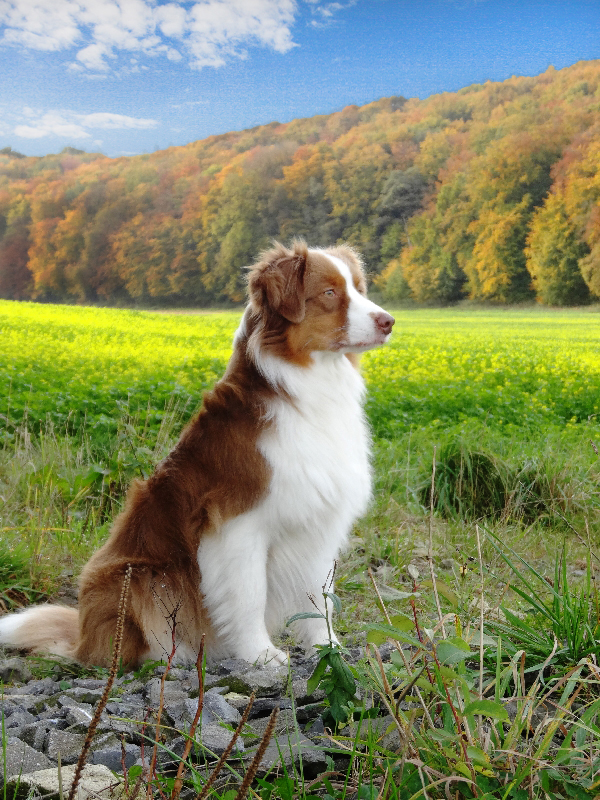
[233, 566]
[299, 572]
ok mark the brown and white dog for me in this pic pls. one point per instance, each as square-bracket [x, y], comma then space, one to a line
[242, 522]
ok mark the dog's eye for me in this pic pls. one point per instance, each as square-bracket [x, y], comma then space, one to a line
[329, 292]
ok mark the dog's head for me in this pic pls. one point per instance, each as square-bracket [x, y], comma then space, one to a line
[314, 300]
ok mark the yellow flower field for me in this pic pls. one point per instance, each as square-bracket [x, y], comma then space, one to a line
[77, 366]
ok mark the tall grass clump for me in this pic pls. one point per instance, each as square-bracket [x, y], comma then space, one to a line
[467, 483]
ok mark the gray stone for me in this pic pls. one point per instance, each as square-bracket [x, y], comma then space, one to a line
[229, 665]
[263, 706]
[7, 707]
[216, 739]
[34, 734]
[84, 695]
[44, 686]
[291, 750]
[80, 717]
[21, 758]
[268, 681]
[133, 687]
[96, 781]
[239, 701]
[301, 695]
[27, 702]
[66, 743]
[14, 669]
[285, 724]
[172, 692]
[130, 729]
[211, 680]
[216, 708]
[89, 683]
[112, 756]
[19, 719]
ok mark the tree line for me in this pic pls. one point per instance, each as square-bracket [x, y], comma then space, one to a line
[491, 193]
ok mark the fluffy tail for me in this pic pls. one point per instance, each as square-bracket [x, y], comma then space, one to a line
[43, 629]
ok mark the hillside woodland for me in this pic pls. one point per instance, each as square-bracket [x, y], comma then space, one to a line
[491, 194]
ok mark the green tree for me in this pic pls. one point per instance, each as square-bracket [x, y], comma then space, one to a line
[554, 250]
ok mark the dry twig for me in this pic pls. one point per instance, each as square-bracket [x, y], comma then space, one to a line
[109, 683]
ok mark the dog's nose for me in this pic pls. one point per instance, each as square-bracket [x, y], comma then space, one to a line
[385, 322]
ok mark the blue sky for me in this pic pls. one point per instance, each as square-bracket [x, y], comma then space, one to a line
[132, 76]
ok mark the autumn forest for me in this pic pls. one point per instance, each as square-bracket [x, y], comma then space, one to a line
[490, 194]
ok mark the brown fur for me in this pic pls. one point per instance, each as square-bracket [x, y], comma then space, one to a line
[214, 473]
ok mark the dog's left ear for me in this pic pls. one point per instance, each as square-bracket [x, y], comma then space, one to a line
[278, 282]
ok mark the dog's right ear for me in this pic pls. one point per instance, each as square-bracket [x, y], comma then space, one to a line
[278, 282]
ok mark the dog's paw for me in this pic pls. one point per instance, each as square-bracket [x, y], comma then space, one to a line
[272, 655]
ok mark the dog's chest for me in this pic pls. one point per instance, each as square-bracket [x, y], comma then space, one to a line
[318, 449]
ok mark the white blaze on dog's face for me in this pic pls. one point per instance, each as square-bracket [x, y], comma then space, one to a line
[367, 324]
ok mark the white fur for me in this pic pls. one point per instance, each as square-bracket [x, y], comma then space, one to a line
[10, 624]
[264, 566]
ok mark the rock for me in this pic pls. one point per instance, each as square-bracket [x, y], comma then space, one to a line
[286, 724]
[172, 692]
[216, 709]
[19, 719]
[14, 669]
[112, 758]
[216, 739]
[8, 707]
[27, 702]
[230, 665]
[239, 701]
[96, 781]
[45, 686]
[78, 718]
[290, 750]
[34, 735]
[265, 681]
[81, 694]
[134, 687]
[89, 683]
[66, 743]
[263, 706]
[21, 758]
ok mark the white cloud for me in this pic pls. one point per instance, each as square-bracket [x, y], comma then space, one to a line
[208, 32]
[73, 126]
[104, 119]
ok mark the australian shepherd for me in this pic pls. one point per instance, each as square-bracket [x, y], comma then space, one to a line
[239, 527]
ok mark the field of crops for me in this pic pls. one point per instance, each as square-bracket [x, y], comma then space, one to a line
[511, 370]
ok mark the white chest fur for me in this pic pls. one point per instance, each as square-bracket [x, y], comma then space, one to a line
[317, 447]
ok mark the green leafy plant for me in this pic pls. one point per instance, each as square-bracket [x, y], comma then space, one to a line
[332, 674]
